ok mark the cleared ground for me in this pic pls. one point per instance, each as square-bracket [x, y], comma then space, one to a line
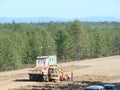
[86, 72]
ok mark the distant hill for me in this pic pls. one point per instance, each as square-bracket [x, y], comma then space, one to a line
[100, 19]
[48, 19]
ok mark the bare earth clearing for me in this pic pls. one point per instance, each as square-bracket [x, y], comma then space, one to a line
[86, 72]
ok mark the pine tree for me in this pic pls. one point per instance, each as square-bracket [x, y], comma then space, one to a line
[78, 38]
[61, 42]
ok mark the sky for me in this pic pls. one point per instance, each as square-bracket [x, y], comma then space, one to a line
[59, 8]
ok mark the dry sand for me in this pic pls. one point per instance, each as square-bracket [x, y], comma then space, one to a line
[100, 70]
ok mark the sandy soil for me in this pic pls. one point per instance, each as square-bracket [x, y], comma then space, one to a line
[100, 70]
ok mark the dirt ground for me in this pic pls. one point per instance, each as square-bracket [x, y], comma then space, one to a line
[86, 72]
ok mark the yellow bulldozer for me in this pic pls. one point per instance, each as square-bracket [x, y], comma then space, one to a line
[46, 69]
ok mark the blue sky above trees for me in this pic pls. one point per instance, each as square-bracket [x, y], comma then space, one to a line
[59, 8]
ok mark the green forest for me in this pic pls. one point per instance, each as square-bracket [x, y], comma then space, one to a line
[21, 43]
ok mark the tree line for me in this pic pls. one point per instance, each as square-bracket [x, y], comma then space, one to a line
[21, 43]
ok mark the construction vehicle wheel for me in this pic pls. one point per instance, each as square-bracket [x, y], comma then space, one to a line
[50, 80]
[30, 78]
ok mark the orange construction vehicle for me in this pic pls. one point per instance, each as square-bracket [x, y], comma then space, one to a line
[66, 76]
